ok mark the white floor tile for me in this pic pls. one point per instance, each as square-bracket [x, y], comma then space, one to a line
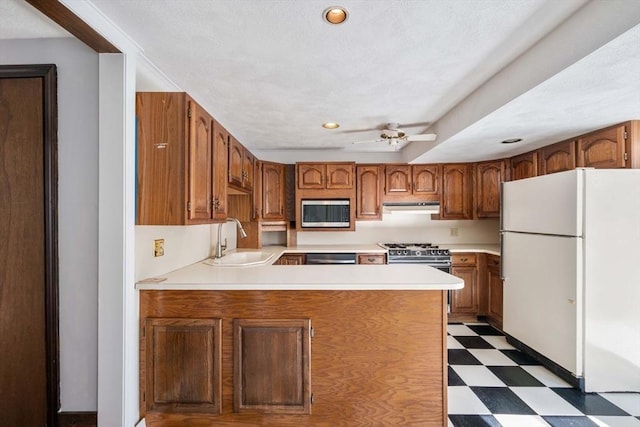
[628, 402]
[521, 420]
[492, 357]
[545, 376]
[545, 401]
[605, 421]
[463, 401]
[475, 375]
[453, 343]
[460, 330]
[498, 342]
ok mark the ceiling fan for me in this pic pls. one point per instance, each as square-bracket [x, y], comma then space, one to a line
[393, 135]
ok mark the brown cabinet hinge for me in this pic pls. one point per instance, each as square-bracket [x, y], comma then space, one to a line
[626, 156]
[311, 332]
[625, 135]
[188, 206]
[189, 112]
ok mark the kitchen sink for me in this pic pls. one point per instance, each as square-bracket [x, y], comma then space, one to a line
[241, 259]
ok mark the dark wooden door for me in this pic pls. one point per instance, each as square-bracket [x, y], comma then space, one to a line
[368, 192]
[28, 269]
[220, 168]
[273, 182]
[200, 140]
[524, 166]
[557, 157]
[457, 197]
[397, 180]
[426, 181]
[489, 175]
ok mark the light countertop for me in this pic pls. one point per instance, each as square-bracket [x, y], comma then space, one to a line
[204, 276]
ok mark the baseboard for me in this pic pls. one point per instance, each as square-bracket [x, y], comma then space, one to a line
[576, 382]
[77, 419]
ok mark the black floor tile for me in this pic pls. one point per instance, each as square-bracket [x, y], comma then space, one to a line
[565, 421]
[484, 330]
[501, 400]
[589, 403]
[474, 421]
[520, 358]
[454, 379]
[473, 342]
[515, 376]
[460, 356]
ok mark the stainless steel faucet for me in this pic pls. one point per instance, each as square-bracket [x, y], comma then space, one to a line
[219, 246]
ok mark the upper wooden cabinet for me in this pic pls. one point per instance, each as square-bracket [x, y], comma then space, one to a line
[524, 166]
[241, 164]
[457, 191]
[369, 192]
[272, 204]
[174, 169]
[489, 176]
[325, 175]
[220, 170]
[557, 157]
[412, 182]
[606, 148]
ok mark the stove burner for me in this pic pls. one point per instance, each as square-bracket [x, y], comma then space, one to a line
[418, 253]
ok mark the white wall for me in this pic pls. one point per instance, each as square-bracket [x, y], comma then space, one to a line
[408, 228]
[77, 68]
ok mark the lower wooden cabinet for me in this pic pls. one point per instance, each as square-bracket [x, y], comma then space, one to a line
[371, 259]
[465, 301]
[494, 288]
[290, 259]
[183, 365]
[271, 372]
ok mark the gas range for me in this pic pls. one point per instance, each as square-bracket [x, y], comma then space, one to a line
[418, 253]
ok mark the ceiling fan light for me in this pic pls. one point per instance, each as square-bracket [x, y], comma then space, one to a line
[335, 15]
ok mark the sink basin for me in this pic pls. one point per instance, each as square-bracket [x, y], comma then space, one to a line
[240, 259]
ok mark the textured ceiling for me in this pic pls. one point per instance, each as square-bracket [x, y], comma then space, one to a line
[273, 71]
[19, 20]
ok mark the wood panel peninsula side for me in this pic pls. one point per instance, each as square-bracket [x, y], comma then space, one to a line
[223, 353]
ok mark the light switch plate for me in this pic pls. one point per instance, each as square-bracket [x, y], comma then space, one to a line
[158, 247]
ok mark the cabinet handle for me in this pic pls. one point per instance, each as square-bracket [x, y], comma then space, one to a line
[371, 259]
[463, 259]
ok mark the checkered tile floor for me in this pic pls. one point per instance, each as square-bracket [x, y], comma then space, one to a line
[493, 384]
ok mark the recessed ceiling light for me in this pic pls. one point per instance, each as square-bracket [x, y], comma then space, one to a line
[330, 125]
[511, 140]
[335, 15]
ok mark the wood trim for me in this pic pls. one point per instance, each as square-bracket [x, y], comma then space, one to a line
[48, 73]
[64, 17]
[77, 419]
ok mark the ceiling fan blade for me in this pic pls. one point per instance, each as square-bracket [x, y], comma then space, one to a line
[366, 142]
[424, 137]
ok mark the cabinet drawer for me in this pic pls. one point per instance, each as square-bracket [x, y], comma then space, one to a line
[463, 259]
[371, 259]
[493, 261]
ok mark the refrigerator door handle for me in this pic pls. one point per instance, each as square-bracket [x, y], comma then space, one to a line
[501, 206]
[502, 255]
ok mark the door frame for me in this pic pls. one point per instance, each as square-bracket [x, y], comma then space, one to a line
[48, 73]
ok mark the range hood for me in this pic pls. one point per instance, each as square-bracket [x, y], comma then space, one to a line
[425, 208]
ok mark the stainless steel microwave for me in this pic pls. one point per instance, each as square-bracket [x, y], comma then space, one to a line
[335, 213]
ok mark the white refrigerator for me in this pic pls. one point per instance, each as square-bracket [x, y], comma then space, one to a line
[571, 270]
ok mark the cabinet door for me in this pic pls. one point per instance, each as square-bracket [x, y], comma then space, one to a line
[494, 282]
[273, 183]
[397, 180]
[220, 168]
[457, 191]
[605, 149]
[271, 367]
[183, 365]
[465, 300]
[489, 175]
[236, 159]
[426, 181]
[311, 175]
[200, 140]
[557, 157]
[248, 161]
[524, 166]
[339, 176]
[368, 192]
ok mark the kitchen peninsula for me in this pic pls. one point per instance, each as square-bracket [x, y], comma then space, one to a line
[294, 345]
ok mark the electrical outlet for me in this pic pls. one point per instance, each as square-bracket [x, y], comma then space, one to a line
[158, 247]
[453, 232]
